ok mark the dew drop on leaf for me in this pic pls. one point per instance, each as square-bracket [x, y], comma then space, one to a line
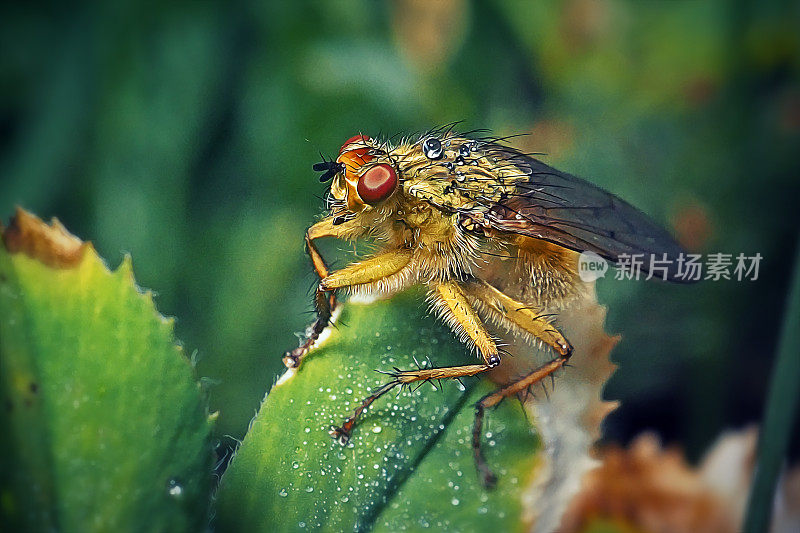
[174, 488]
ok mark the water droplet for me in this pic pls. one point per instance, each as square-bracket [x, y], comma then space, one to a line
[432, 148]
[283, 493]
[309, 489]
[463, 150]
[377, 429]
[174, 488]
[295, 464]
[455, 501]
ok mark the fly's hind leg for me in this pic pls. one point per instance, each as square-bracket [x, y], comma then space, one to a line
[511, 312]
[517, 315]
[452, 304]
[494, 398]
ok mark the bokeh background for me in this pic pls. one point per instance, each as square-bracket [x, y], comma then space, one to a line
[184, 134]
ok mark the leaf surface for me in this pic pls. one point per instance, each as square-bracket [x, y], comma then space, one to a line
[104, 425]
[409, 463]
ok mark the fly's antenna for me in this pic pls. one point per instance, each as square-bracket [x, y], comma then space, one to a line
[329, 168]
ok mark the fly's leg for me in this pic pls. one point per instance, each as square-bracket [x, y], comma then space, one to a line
[403, 377]
[450, 302]
[494, 398]
[528, 320]
[385, 268]
[452, 306]
[505, 308]
[324, 303]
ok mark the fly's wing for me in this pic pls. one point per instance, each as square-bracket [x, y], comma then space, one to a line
[560, 208]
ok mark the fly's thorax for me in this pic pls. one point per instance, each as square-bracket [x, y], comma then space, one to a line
[441, 249]
[414, 214]
[465, 176]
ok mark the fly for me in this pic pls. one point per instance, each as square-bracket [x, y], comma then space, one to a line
[493, 233]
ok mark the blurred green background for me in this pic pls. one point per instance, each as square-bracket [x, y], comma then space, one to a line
[184, 134]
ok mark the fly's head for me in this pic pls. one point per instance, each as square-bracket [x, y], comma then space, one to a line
[367, 194]
[417, 182]
[365, 179]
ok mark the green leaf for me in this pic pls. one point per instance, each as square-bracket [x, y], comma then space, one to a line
[780, 414]
[409, 463]
[103, 424]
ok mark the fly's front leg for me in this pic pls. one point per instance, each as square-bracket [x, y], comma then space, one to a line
[324, 302]
[451, 303]
[378, 272]
[386, 268]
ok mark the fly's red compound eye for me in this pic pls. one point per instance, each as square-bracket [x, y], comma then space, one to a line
[355, 138]
[377, 183]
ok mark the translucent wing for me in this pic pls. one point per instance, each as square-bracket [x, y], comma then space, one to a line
[560, 208]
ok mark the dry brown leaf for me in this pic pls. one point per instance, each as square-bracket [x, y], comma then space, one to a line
[51, 244]
[568, 414]
[569, 417]
[648, 488]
